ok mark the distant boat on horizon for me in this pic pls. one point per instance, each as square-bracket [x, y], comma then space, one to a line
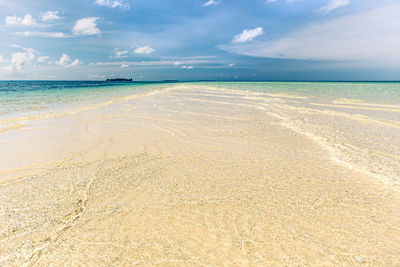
[130, 80]
[119, 80]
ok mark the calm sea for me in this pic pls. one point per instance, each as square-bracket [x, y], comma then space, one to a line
[25, 98]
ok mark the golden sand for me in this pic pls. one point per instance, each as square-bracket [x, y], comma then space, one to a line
[199, 176]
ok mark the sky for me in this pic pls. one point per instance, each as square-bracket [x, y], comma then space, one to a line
[200, 39]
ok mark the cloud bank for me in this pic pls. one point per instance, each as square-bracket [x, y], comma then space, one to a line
[18, 59]
[27, 21]
[368, 36]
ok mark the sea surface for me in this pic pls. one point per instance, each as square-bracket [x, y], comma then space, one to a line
[380, 92]
[33, 97]
[26, 98]
[256, 174]
[358, 122]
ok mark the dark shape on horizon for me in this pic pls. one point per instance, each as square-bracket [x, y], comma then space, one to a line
[130, 80]
[119, 80]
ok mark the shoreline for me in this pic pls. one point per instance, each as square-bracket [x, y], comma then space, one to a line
[202, 175]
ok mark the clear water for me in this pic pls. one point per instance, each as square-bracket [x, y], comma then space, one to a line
[375, 92]
[364, 136]
[22, 98]
[26, 98]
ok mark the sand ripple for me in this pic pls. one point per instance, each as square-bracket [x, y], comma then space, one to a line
[202, 176]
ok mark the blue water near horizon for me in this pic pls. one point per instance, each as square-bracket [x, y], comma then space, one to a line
[29, 97]
[21, 98]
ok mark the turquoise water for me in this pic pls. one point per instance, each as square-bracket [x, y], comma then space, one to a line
[363, 136]
[25, 98]
[21, 98]
[375, 92]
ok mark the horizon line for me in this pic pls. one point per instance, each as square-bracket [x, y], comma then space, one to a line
[188, 81]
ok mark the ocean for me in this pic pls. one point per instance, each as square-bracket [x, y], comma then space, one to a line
[359, 122]
[25, 98]
[104, 173]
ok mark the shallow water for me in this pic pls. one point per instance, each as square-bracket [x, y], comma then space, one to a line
[201, 174]
[375, 92]
[27, 98]
[359, 122]
[39, 96]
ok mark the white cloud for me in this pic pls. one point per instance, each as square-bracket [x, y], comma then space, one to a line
[112, 4]
[8, 69]
[74, 63]
[210, 3]
[65, 61]
[27, 21]
[247, 35]
[50, 15]
[144, 50]
[231, 65]
[86, 26]
[24, 57]
[271, 1]
[19, 59]
[334, 4]
[42, 59]
[371, 36]
[124, 66]
[116, 53]
[44, 34]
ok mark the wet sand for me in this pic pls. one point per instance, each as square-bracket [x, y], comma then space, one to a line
[201, 176]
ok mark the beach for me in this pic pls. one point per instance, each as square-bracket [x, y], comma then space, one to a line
[202, 174]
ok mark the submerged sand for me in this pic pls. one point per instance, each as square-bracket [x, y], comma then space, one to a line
[201, 176]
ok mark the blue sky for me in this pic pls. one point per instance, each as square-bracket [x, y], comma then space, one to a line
[200, 39]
